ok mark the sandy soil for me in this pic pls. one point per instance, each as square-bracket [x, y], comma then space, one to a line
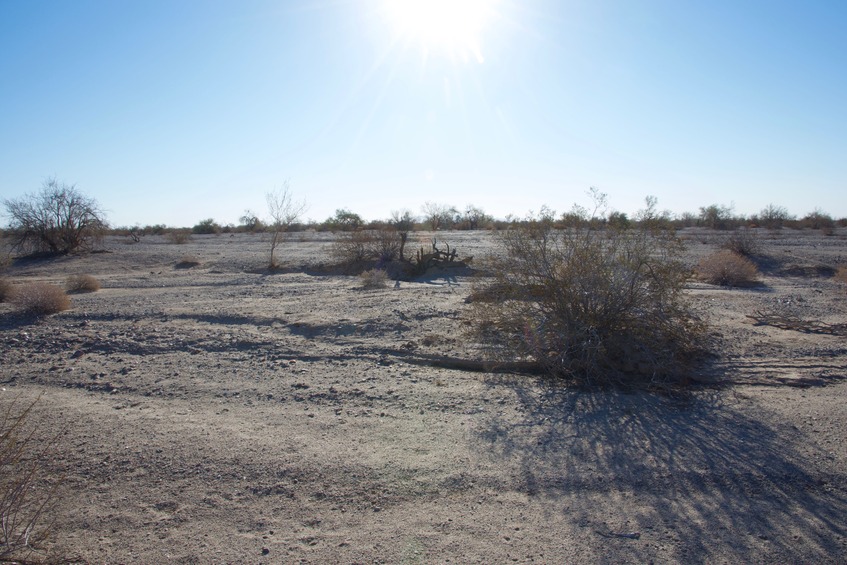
[218, 414]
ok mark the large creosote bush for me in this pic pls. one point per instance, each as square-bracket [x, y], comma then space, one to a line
[58, 219]
[600, 306]
[41, 298]
[727, 268]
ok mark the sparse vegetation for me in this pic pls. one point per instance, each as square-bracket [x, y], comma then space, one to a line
[6, 289]
[207, 226]
[25, 509]
[59, 219]
[82, 283]
[284, 212]
[41, 298]
[743, 241]
[727, 268]
[178, 237]
[596, 306]
[373, 279]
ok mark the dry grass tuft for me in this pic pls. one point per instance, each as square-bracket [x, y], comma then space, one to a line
[82, 283]
[178, 237]
[41, 298]
[727, 268]
[374, 278]
[841, 274]
[6, 290]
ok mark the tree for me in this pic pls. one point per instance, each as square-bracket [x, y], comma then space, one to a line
[345, 220]
[250, 221]
[773, 216]
[475, 217]
[439, 216]
[207, 226]
[284, 211]
[59, 219]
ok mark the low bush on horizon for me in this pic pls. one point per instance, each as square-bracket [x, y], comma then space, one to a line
[727, 268]
[598, 306]
[82, 283]
[40, 298]
[178, 237]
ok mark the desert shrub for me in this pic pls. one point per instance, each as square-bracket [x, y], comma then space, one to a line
[362, 249]
[373, 278]
[727, 268]
[599, 306]
[817, 220]
[59, 219]
[6, 289]
[743, 241]
[206, 226]
[41, 298]
[178, 237]
[82, 283]
[25, 509]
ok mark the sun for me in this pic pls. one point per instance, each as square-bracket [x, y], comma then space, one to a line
[452, 26]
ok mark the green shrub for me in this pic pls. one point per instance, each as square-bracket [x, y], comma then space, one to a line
[41, 298]
[598, 306]
[727, 268]
[82, 283]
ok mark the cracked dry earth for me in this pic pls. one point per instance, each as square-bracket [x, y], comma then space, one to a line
[221, 415]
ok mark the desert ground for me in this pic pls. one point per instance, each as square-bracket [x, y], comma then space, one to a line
[224, 414]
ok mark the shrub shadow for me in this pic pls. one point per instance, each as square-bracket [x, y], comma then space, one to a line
[726, 483]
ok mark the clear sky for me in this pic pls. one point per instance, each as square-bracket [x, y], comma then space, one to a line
[175, 111]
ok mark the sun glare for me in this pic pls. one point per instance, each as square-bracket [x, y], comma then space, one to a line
[452, 26]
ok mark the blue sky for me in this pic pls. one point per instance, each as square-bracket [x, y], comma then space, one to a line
[172, 112]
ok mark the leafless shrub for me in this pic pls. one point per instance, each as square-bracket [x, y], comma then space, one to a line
[598, 306]
[40, 298]
[373, 279]
[362, 249]
[82, 283]
[178, 237]
[59, 219]
[25, 504]
[727, 268]
[743, 241]
[284, 212]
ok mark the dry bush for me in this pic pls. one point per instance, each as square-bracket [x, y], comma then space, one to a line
[82, 283]
[178, 237]
[743, 241]
[374, 278]
[41, 298]
[841, 274]
[598, 306]
[26, 506]
[367, 248]
[6, 290]
[727, 268]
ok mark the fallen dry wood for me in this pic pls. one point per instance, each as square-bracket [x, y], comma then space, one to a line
[796, 324]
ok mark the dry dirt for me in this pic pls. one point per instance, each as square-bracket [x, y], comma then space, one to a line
[219, 414]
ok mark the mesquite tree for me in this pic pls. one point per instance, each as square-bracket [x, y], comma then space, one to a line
[58, 219]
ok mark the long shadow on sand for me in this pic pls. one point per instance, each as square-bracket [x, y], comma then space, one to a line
[722, 483]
